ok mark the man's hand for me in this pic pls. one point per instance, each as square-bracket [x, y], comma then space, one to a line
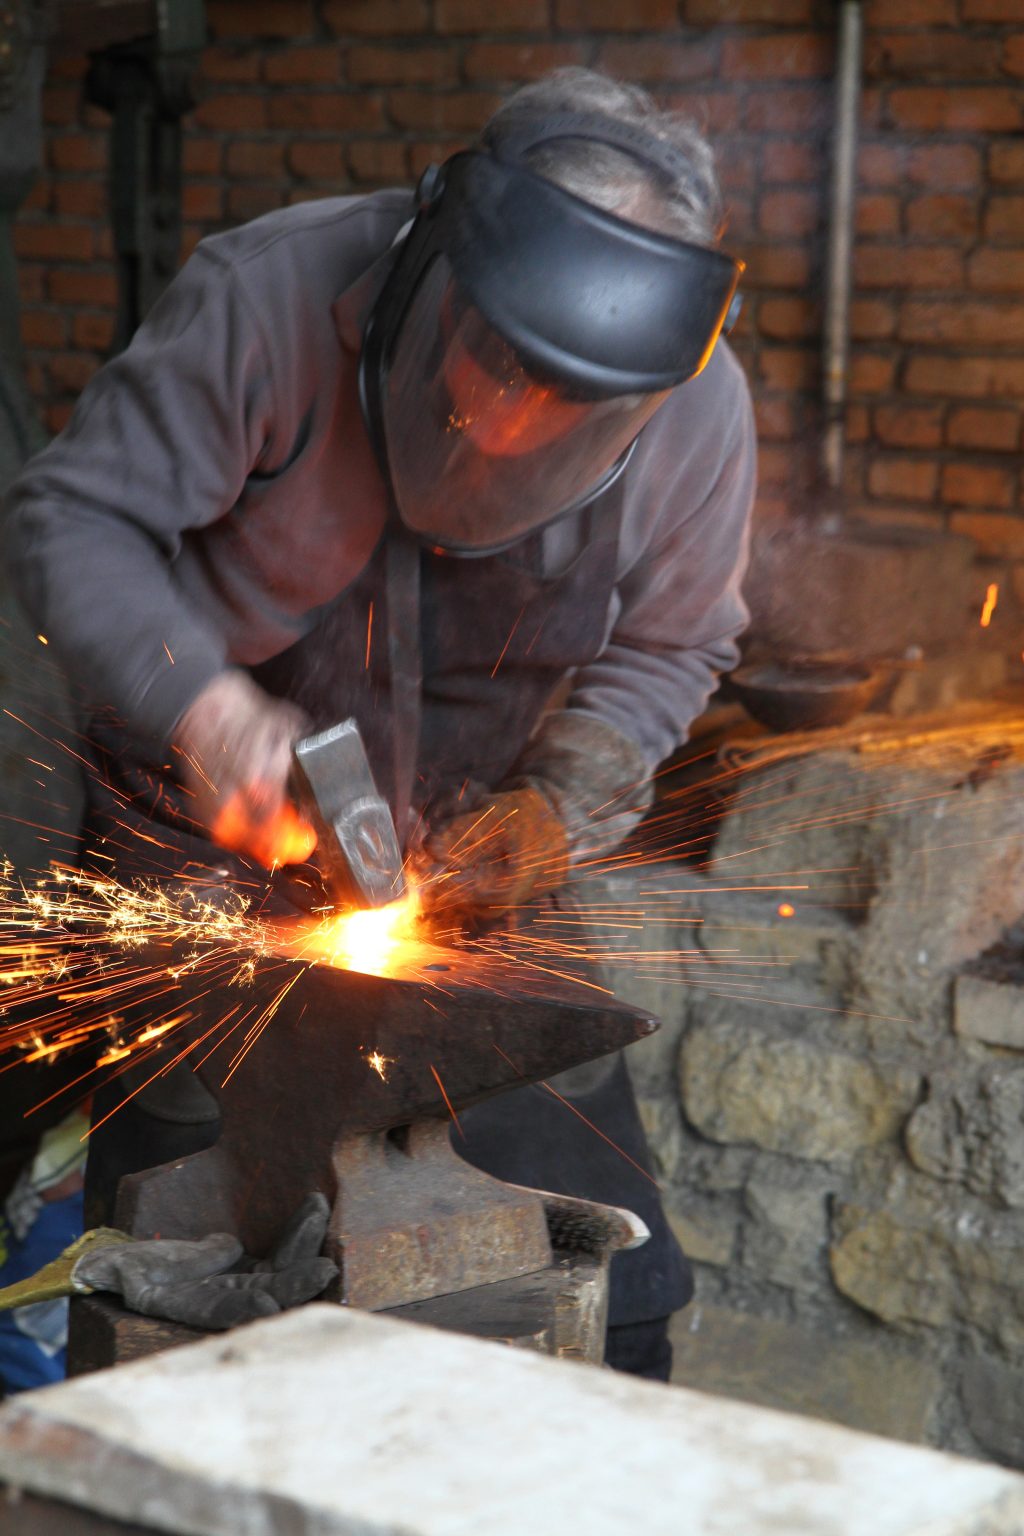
[235, 748]
[510, 850]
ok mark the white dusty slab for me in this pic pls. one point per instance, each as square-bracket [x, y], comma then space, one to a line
[324, 1421]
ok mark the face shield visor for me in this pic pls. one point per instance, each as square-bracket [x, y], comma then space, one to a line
[523, 339]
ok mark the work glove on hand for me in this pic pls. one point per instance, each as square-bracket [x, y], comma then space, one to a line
[235, 752]
[210, 1283]
[578, 789]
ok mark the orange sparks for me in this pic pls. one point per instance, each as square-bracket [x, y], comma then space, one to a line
[508, 642]
[786, 909]
[369, 636]
[42, 640]
[167, 648]
[989, 606]
[447, 1100]
[379, 1064]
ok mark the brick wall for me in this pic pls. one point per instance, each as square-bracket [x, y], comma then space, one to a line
[303, 99]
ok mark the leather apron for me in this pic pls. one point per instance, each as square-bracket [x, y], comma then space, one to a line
[498, 634]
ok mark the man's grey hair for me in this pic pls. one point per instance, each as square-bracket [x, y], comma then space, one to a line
[690, 208]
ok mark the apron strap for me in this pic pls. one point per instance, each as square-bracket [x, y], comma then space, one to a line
[405, 662]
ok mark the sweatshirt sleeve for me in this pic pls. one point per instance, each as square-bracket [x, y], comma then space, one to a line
[680, 608]
[160, 442]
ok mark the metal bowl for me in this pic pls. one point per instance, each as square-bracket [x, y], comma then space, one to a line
[806, 695]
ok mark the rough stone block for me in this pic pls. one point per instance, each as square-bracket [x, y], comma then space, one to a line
[989, 1010]
[790, 1095]
[993, 1397]
[922, 1260]
[786, 1240]
[706, 1234]
[971, 1132]
[869, 1386]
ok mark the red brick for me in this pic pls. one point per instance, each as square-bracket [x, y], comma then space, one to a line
[776, 418]
[932, 56]
[519, 61]
[903, 479]
[376, 18]
[779, 13]
[97, 289]
[788, 319]
[992, 109]
[978, 485]
[944, 165]
[77, 152]
[39, 197]
[54, 242]
[971, 323]
[997, 271]
[202, 157]
[737, 166]
[911, 13]
[232, 114]
[68, 66]
[380, 161]
[942, 216]
[776, 266]
[800, 109]
[31, 282]
[93, 333]
[790, 213]
[475, 16]
[789, 367]
[231, 66]
[255, 157]
[968, 377]
[877, 213]
[738, 223]
[901, 266]
[871, 319]
[897, 517]
[774, 464]
[975, 427]
[43, 328]
[251, 199]
[1004, 220]
[1006, 161]
[880, 165]
[659, 59]
[991, 10]
[858, 424]
[70, 372]
[596, 15]
[909, 426]
[998, 535]
[260, 18]
[303, 66]
[379, 65]
[451, 111]
[201, 201]
[326, 111]
[789, 160]
[60, 106]
[871, 373]
[1013, 56]
[317, 159]
[80, 199]
[781, 56]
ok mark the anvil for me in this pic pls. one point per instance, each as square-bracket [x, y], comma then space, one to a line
[350, 1089]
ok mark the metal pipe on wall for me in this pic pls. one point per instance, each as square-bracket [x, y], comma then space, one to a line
[849, 55]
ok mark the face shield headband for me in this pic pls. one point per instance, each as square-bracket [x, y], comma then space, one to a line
[523, 338]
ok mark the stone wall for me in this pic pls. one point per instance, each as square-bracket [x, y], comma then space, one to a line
[836, 1099]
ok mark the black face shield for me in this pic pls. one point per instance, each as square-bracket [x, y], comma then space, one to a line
[524, 337]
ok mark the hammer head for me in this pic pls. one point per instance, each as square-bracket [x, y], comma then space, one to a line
[358, 844]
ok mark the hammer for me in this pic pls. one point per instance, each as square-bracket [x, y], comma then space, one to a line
[338, 795]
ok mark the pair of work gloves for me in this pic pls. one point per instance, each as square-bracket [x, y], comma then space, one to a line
[578, 789]
[208, 1283]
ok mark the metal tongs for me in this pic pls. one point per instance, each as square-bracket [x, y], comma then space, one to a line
[359, 851]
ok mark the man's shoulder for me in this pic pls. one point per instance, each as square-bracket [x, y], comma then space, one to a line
[715, 401]
[325, 241]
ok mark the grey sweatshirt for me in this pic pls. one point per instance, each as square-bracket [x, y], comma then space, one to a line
[215, 488]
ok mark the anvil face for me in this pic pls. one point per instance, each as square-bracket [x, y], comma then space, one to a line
[346, 1056]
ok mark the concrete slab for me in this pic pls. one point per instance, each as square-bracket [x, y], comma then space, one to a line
[324, 1422]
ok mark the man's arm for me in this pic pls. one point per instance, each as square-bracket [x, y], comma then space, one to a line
[161, 442]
